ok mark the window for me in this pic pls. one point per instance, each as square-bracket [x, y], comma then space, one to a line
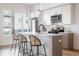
[17, 22]
[21, 22]
[7, 24]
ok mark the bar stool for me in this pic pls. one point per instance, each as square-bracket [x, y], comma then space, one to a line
[22, 44]
[15, 42]
[34, 41]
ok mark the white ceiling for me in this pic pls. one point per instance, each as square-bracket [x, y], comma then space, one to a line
[28, 3]
[49, 5]
[25, 5]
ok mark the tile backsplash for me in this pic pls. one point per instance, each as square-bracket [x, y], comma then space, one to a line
[67, 28]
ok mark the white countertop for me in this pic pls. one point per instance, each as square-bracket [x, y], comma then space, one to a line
[43, 34]
[47, 34]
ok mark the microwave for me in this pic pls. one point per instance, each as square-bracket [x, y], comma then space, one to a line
[56, 18]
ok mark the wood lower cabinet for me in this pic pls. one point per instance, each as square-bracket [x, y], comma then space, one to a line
[52, 42]
[57, 45]
[67, 41]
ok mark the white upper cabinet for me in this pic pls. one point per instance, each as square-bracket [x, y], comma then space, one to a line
[55, 11]
[67, 17]
[65, 10]
[42, 6]
[46, 15]
[50, 13]
[48, 10]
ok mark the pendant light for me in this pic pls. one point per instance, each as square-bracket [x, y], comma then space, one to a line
[39, 9]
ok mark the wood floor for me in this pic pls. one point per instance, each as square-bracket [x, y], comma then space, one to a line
[7, 52]
[70, 53]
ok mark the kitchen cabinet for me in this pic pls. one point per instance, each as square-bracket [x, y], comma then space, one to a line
[66, 11]
[53, 43]
[67, 41]
[57, 46]
[46, 15]
[67, 14]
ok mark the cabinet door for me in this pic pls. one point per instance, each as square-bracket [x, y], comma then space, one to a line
[66, 14]
[57, 46]
[55, 11]
[58, 10]
[70, 41]
[65, 41]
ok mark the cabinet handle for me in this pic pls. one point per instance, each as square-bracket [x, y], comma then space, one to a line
[59, 40]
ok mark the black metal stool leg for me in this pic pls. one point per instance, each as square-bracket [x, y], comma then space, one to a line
[44, 50]
[18, 43]
[23, 52]
[24, 49]
[37, 50]
[31, 51]
[19, 48]
[15, 46]
[12, 45]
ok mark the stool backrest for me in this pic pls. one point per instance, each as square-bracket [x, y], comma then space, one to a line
[34, 40]
[22, 38]
[14, 36]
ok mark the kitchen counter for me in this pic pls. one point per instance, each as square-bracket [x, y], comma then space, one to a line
[53, 42]
[47, 34]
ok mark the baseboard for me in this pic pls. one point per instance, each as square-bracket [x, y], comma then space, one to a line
[5, 46]
[71, 49]
[68, 49]
[75, 50]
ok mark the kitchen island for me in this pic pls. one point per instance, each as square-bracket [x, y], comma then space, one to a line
[52, 42]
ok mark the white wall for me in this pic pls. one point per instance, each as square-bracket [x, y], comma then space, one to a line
[6, 40]
[76, 27]
[13, 7]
